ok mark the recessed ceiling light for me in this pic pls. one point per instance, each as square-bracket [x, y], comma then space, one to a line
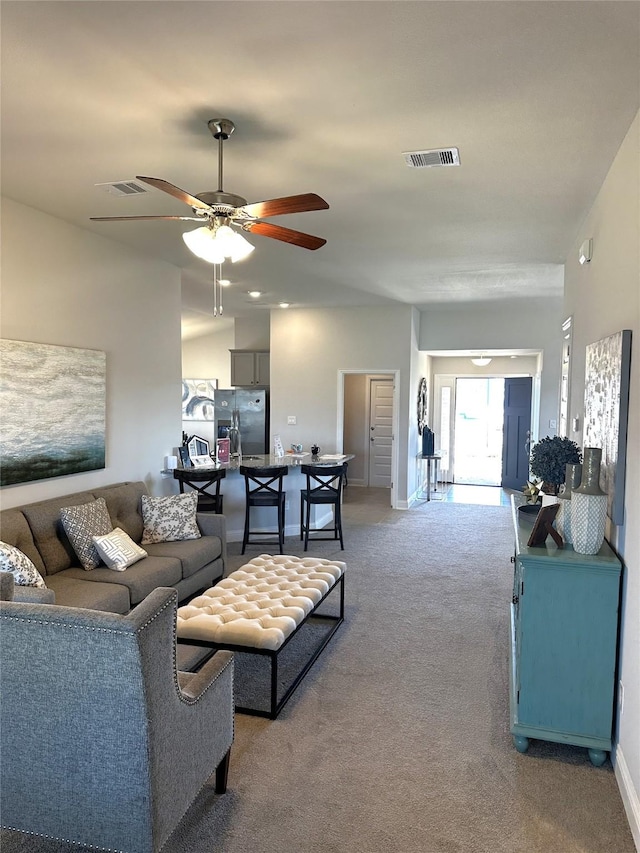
[254, 293]
[284, 304]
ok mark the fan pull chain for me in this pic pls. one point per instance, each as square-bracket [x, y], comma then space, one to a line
[217, 290]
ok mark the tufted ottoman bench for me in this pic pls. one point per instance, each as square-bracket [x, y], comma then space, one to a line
[259, 608]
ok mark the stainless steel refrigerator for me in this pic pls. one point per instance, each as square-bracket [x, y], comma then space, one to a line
[242, 416]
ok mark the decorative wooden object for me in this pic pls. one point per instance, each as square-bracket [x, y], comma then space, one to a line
[543, 527]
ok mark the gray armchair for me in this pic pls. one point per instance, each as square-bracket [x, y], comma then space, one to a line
[103, 742]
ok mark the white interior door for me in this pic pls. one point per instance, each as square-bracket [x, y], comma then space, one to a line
[380, 432]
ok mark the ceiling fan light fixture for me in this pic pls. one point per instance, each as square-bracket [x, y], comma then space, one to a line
[203, 245]
[217, 245]
[236, 247]
[483, 361]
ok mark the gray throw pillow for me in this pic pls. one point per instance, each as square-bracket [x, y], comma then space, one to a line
[83, 522]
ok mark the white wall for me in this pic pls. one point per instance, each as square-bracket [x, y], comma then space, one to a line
[78, 289]
[253, 332]
[532, 324]
[309, 347]
[603, 297]
[207, 357]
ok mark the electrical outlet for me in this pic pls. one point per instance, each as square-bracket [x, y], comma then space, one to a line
[621, 697]
[553, 424]
[292, 420]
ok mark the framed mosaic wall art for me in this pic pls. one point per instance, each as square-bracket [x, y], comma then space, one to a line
[606, 403]
[53, 402]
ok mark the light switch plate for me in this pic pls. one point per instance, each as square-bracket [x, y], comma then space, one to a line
[292, 420]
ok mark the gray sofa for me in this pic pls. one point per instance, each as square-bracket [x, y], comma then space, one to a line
[188, 566]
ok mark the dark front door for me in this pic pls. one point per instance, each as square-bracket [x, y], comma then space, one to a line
[517, 432]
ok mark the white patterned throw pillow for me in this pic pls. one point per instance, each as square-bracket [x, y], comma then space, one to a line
[81, 523]
[169, 519]
[24, 572]
[118, 550]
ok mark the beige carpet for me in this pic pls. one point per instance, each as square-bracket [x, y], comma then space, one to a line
[398, 739]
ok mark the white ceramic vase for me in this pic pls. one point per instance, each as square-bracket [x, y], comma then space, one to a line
[589, 506]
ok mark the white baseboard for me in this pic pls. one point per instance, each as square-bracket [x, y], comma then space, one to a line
[630, 798]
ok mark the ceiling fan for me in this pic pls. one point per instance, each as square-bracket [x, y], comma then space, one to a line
[218, 210]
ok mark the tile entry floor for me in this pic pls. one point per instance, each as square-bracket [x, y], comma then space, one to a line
[369, 498]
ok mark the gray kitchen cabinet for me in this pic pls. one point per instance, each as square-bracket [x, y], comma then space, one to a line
[249, 367]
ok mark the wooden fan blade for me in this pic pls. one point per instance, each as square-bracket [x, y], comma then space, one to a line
[121, 218]
[176, 192]
[288, 204]
[287, 235]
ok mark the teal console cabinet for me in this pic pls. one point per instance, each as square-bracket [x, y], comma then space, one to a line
[564, 637]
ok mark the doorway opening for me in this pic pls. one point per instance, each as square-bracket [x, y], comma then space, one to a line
[367, 426]
[478, 435]
[483, 429]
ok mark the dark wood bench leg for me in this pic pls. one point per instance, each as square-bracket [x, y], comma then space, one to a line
[222, 773]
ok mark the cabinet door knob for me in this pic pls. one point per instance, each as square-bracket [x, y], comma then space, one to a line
[513, 559]
[515, 599]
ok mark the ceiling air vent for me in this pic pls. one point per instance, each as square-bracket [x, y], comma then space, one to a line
[123, 188]
[435, 157]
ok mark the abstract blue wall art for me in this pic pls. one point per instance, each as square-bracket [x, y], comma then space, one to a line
[53, 411]
[197, 399]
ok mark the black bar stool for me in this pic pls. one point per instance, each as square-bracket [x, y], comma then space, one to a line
[263, 487]
[324, 486]
[203, 481]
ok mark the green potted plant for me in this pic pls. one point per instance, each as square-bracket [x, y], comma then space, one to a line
[549, 458]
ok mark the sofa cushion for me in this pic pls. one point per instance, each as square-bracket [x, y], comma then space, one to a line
[81, 524]
[123, 503]
[141, 578]
[117, 550]
[24, 572]
[15, 530]
[192, 553]
[48, 533]
[78, 592]
[170, 519]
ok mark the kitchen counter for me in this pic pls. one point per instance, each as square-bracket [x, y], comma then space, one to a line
[233, 490]
[291, 460]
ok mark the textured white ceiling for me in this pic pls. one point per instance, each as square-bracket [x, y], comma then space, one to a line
[326, 96]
